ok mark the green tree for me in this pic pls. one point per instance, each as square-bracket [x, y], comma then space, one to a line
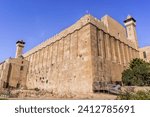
[137, 74]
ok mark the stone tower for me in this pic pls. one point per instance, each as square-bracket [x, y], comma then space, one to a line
[130, 24]
[19, 48]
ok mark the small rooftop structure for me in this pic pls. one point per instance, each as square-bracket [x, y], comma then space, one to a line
[129, 18]
[20, 41]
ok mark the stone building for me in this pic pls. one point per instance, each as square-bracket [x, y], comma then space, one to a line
[13, 71]
[145, 53]
[90, 53]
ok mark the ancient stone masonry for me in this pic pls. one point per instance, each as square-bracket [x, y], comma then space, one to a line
[13, 73]
[62, 64]
[77, 60]
[145, 53]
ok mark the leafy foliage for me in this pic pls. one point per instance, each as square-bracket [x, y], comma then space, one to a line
[140, 95]
[137, 74]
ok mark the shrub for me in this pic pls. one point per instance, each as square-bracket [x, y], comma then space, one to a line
[138, 73]
[140, 95]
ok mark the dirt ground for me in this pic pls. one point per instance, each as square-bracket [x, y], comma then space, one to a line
[43, 95]
[100, 96]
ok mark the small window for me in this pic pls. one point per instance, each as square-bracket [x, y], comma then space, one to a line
[144, 55]
[21, 68]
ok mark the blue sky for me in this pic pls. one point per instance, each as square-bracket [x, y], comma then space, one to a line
[36, 20]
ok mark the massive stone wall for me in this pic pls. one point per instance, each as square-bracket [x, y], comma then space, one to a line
[12, 72]
[78, 25]
[2, 67]
[63, 66]
[145, 53]
[82, 22]
[72, 61]
[114, 28]
[110, 56]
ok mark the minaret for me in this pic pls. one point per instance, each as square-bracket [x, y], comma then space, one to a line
[19, 48]
[130, 24]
